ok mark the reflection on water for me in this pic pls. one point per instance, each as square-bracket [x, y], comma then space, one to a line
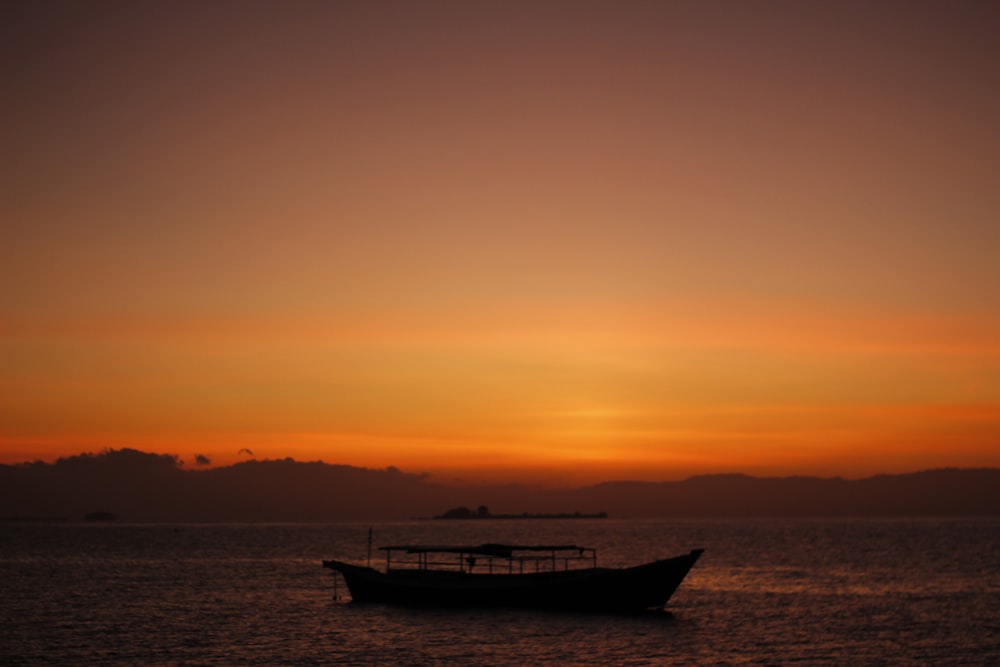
[765, 591]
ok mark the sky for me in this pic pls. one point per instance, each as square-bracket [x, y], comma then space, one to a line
[547, 242]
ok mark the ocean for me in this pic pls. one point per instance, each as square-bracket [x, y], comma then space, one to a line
[767, 591]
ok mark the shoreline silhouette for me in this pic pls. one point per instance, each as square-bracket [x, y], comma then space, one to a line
[137, 486]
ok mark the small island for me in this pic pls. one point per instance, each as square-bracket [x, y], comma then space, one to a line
[483, 512]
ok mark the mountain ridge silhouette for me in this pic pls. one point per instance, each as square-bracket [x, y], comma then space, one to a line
[142, 486]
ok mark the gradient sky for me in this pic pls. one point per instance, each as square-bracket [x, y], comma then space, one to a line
[536, 241]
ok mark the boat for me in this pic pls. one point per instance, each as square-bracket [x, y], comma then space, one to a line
[483, 512]
[503, 575]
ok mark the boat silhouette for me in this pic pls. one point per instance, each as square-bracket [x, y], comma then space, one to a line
[501, 575]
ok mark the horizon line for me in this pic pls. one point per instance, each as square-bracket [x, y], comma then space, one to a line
[436, 478]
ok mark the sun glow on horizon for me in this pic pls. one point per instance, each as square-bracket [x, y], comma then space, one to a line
[647, 397]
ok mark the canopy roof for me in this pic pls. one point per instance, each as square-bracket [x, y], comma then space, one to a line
[498, 550]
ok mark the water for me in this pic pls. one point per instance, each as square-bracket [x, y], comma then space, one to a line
[765, 592]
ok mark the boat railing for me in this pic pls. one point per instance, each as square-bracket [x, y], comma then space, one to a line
[490, 559]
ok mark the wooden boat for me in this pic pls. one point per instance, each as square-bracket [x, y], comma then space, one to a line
[500, 575]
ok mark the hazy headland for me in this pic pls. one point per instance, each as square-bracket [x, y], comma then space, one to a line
[141, 486]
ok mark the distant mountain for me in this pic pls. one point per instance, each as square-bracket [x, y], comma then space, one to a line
[139, 486]
[944, 492]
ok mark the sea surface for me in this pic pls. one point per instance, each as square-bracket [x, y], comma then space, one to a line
[846, 592]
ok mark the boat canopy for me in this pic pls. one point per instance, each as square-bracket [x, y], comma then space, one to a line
[495, 550]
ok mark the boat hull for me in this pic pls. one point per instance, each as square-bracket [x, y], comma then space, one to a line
[647, 586]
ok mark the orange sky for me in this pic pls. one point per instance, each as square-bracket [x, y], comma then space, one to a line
[545, 241]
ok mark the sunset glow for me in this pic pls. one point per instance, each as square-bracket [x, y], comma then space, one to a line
[542, 242]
